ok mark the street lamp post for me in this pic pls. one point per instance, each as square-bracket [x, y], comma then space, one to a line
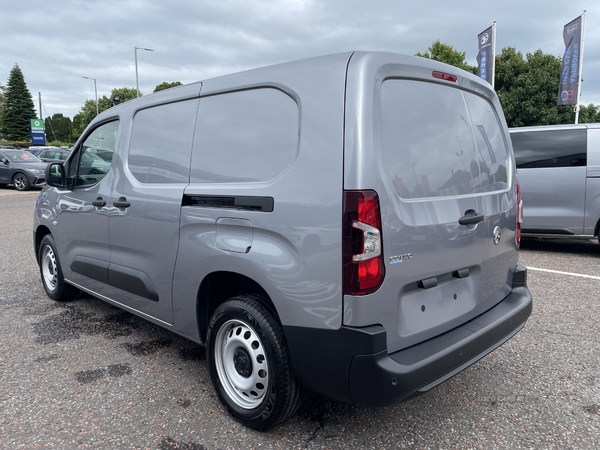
[95, 90]
[137, 85]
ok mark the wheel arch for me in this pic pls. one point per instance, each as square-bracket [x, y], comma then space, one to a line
[19, 172]
[216, 288]
[40, 232]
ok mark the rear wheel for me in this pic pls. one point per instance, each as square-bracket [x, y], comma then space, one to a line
[249, 363]
[21, 182]
[51, 272]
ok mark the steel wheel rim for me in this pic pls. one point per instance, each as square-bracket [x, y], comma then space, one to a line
[49, 269]
[20, 182]
[234, 342]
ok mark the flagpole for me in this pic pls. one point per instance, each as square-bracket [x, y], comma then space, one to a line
[493, 54]
[577, 107]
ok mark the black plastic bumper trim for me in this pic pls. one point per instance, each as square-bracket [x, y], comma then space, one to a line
[386, 379]
[321, 358]
[353, 364]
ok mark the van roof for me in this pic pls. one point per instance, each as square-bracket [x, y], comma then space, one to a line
[340, 60]
[569, 126]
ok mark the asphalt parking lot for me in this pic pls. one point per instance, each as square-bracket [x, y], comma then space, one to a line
[85, 374]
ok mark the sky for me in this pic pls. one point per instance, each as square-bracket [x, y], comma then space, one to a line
[58, 42]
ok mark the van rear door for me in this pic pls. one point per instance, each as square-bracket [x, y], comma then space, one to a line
[444, 178]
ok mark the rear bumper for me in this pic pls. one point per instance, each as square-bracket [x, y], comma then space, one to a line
[352, 364]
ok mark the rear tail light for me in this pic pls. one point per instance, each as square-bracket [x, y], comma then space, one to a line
[519, 214]
[363, 268]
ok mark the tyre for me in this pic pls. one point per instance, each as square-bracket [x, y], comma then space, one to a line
[249, 363]
[51, 272]
[21, 182]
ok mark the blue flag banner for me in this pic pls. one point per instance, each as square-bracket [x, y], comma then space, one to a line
[569, 72]
[485, 58]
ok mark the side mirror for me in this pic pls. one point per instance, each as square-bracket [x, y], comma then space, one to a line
[55, 175]
[6, 161]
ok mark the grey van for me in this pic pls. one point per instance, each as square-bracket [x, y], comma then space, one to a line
[559, 172]
[347, 224]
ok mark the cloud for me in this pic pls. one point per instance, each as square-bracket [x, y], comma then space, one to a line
[55, 43]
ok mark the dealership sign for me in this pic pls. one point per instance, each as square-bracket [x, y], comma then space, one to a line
[38, 135]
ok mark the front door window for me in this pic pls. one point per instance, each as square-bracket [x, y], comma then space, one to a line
[94, 157]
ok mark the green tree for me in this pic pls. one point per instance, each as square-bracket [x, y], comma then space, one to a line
[166, 85]
[1, 108]
[18, 108]
[589, 113]
[58, 127]
[526, 85]
[527, 88]
[447, 54]
[88, 110]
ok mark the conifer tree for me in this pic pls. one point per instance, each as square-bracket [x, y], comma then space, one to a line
[18, 108]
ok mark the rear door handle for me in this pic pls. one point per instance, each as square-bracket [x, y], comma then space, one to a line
[471, 217]
[99, 202]
[122, 203]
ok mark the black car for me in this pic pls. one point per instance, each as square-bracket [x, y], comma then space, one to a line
[22, 169]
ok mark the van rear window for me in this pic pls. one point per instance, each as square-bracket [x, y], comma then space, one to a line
[550, 148]
[439, 141]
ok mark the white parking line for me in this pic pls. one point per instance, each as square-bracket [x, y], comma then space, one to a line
[564, 273]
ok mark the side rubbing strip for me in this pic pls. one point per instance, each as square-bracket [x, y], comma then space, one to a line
[95, 269]
[264, 204]
[131, 280]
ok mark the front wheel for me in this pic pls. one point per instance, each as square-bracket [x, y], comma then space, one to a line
[249, 363]
[21, 182]
[51, 272]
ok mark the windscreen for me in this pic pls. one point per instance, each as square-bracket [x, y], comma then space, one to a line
[20, 156]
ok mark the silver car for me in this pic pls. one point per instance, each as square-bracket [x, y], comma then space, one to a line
[347, 224]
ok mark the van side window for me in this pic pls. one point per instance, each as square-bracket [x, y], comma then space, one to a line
[161, 142]
[489, 136]
[246, 136]
[550, 148]
[87, 166]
